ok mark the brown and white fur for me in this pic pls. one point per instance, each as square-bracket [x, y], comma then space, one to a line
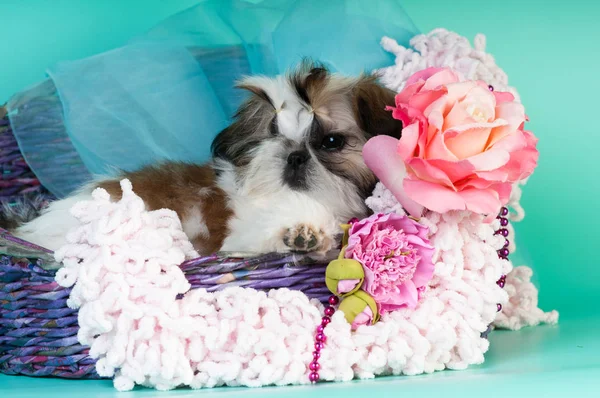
[284, 174]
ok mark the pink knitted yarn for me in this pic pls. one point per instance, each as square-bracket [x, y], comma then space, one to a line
[123, 263]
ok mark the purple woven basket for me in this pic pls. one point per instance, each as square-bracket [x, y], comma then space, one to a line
[38, 332]
[17, 182]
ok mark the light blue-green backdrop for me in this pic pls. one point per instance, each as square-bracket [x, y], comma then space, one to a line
[551, 52]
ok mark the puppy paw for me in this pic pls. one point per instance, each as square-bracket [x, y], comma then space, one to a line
[303, 239]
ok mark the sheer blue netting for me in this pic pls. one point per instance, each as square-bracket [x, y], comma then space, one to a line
[166, 94]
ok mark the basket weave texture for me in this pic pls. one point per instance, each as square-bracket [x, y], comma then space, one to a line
[38, 331]
[17, 181]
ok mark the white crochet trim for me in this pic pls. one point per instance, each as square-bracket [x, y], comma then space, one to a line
[522, 308]
[442, 48]
[122, 261]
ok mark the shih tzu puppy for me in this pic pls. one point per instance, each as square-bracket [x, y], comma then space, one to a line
[284, 174]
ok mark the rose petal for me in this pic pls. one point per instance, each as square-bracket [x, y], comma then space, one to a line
[457, 116]
[521, 164]
[426, 74]
[410, 116]
[513, 114]
[445, 76]
[531, 139]
[499, 175]
[454, 170]
[424, 99]
[408, 142]
[480, 103]
[437, 149]
[475, 182]
[479, 125]
[503, 96]
[409, 90]
[458, 91]
[504, 190]
[469, 142]
[433, 196]
[512, 142]
[482, 201]
[489, 160]
[424, 170]
[456, 142]
[436, 111]
[381, 157]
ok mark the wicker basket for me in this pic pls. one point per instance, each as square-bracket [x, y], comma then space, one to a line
[17, 182]
[38, 331]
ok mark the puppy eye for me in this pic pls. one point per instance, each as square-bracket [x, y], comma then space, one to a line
[332, 142]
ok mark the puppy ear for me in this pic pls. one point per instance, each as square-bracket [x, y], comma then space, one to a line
[222, 143]
[227, 144]
[256, 86]
[369, 102]
[235, 142]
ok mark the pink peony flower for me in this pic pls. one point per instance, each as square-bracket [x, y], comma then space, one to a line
[396, 257]
[462, 145]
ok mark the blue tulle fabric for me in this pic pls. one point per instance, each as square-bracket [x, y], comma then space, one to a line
[166, 94]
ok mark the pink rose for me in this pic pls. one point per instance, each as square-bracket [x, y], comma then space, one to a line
[462, 145]
[396, 257]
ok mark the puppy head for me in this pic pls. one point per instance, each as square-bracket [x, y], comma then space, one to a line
[305, 132]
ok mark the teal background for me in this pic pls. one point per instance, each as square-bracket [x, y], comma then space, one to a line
[551, 52]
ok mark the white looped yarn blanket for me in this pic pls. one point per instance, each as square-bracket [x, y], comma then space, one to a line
[442, 48]
[123, 263]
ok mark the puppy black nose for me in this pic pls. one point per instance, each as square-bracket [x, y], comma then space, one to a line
[297, 158]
